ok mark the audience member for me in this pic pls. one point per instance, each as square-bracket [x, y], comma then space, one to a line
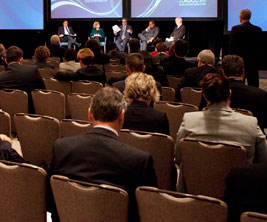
[162, 53]
[219, 123]
[41, 54]
[134, 45]
[155, 42]
[123, 36]
[172, 49]
[99, 157]
[55, 49]
[113, 51]
[244, 97]
[69, 63]
[193, 76]
[18, 76]
[99, 57]
[2, 56]
[140, 91]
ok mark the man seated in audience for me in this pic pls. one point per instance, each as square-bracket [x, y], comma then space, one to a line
[113, 51]
[193, 76]
[243, 96]
[41, 54]
[162, 54]
[88, 71]
[2, 55]
[55, 49]
[18, 76]
[134, 45]
[176, 64]
[99, 157]
[140, 91]
[99, 57]
[7, 152]
[69, 64]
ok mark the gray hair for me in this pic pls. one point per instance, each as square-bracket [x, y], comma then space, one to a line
[233, 65]
[54, 40]
[207, 57]
[2, 50]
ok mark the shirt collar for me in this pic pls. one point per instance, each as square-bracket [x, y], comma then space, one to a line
[107, 128]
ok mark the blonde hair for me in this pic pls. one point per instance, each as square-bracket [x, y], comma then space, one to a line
[141, 85]
[86, 56]
[95, 24]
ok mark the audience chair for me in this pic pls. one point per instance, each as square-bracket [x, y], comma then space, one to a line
[168, 94]
[191, 96]
[2, 68]
[27, 62]
[175, 113]
[81, 201]
[115, 67]
[47, 73]
[36, 134]
[173, 81]
[160, 147]
[72, 127]
[54, 61]
[253, 217]
[206, 164]
[114, 61]
[49, 103]
[115, 74]
[23, 192]
[161, 205]
[89, 87]
[5, 123]
[13, 101]
[79, 104]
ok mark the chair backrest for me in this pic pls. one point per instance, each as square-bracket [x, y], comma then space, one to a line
[253, 217]
[191, 96]
[54, 61]
[60, 86]
[89, 87]
[79, 104]
[36, 135]
[27, 62]
[72, 127]
[205, 165]
[13, 101]
[47, 73]
[23, 192]
[5, 123]
[173, 81]
[160, 147]
[114, 67]
[115, 74]
[49, 103]
[168, 94]
[80, 201]
[175, 113]
[2, 68]
[161, 205]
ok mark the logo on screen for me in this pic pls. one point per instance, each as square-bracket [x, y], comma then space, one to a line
[192, 2]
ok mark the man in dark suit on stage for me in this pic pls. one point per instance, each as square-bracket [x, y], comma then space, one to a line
[148, 35]
[18, 76]
[246, 41]
[99, 157]
[243, 96]
[123, 36]
[67, 34]
[178, 32]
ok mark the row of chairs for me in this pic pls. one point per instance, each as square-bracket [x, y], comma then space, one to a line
[25, 200]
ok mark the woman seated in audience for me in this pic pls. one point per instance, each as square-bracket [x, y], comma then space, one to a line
[69, 64]
[97, 33]
[219, 123]
[140, 91]
[162, 54]
[155, 42]
[99, 58]
[41, 54]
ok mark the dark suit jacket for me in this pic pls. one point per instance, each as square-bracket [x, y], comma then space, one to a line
[3, 63]
[127, 34]
[99, 157]
[250, 98]
[25, 78]
[175, 66]
[56, 51]
[246, 190]
[43, 64]
[141, 117]
[8, 153]
[151, 33]
[61, 31]
[178, 33]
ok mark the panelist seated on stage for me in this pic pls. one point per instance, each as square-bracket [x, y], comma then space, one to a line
[97, 33]
[178, 32]
[67, 34]
[148, 35]
[123, 36]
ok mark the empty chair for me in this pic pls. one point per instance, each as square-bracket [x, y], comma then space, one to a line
[161, 205]
[160, 147]
[81, 201]
[114, 67]
[72, 127]
[79, 104]
[168, 94]
[47, 73]
[36, 135]
[5, 123]
[23, 193]
[49, 103]
[206, 164]
[253, 217]
[89, 87]
[13, 101]
[173, 81]
[115, 75]
[191, 96]
[175, 113]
